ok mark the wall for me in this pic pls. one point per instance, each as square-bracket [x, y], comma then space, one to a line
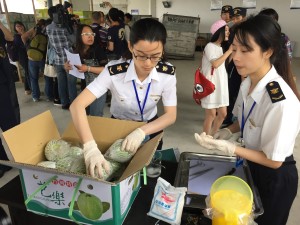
[79, 5]
[288, 19]
[144, 6]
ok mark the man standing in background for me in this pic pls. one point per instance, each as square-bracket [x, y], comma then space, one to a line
[99, 30]
[226, 13]
[61, 38]
[234, 79]
[239, 14]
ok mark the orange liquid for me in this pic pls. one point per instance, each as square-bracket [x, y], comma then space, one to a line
[230, 208]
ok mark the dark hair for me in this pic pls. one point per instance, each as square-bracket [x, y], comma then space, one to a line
[67, 5]
[51, 11]
[48, 21]
[266, 32]
[128, 15]
[79, 44]
[19, 23]
[114, 15]
[269, 12]
[121, 16]
[219, 33]
[96, 15]
[147, 29]
[41, 22]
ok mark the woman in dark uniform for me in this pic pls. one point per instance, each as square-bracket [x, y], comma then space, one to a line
[268, 110]
[117, 44]
[9, 110]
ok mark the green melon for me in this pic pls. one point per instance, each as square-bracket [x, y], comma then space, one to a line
[115, 153]
[73, 164]
[47, 164]
[56, 149]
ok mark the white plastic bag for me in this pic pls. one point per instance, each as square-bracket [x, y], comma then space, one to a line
[167, 203]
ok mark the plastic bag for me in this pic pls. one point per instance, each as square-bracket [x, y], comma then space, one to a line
[167, 203]
[115, 153]
[220, 218]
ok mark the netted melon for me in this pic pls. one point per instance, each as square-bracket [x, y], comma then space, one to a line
[57, 149]
[115, 153]
[73, 164]
[75, 151]
[116, 170]
[47, 164]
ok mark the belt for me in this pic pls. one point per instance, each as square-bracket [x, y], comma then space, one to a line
[289, 161]
[148, 121]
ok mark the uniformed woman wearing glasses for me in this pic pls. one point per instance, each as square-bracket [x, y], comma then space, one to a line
[137, 83]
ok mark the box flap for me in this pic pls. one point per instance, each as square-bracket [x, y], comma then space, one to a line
[105, 130]
[27, 141]
[142, 157]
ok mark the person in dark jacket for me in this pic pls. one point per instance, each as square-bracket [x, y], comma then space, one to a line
[9, 110]
[20, 29]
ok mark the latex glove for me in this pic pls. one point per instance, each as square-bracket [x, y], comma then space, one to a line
[224, 134]
[222, 145]
[94, 160]
[133, 140]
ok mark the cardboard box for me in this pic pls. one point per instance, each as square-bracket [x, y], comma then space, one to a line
[26, 144]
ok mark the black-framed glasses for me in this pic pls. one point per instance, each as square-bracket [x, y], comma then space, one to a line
[88, 34]
[144, 58]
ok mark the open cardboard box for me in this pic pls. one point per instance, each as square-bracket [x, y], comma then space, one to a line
[51, 192]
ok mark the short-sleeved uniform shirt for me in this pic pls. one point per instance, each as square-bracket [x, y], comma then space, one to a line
[274, 122]
[220, 97]
[118, 77]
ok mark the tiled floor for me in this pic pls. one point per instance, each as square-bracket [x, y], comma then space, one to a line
[180, 135]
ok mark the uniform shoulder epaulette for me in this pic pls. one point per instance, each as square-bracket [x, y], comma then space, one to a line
[275, 92]
[165, 68]
[118, 68]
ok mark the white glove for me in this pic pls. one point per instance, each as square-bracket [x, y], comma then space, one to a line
[224, 134]
[94, 160]
[222, 145]
[133, 140]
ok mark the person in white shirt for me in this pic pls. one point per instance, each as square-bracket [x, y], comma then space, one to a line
[137, 83]
[268, 110]
[213, 68]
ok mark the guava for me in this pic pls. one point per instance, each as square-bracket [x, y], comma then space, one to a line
[90, 206]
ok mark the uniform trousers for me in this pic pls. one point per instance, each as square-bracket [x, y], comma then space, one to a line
[277, 189]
